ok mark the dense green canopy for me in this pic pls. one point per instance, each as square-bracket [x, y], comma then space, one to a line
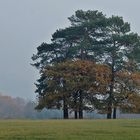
[101, 40]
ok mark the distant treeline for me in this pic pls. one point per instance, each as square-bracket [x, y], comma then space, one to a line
[19, 108]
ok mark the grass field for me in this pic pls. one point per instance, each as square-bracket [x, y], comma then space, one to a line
[70, 130]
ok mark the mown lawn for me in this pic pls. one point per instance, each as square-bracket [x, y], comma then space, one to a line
[70, 130]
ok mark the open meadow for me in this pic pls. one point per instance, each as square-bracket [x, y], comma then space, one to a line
[70, 129]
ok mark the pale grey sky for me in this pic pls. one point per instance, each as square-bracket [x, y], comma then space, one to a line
[25, 24]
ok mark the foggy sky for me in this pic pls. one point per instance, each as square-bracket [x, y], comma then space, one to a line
[25, 24]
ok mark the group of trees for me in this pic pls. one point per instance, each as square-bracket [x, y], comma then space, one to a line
[91, 65]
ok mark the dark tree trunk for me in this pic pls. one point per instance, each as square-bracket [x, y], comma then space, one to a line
[114, 113]
[80, 114]
[80, 92]
[109, 108]
[75, 105]
[109, 112]
[80, 105]
[110, 101]
[75, 114]
[65, 109]
[66, 116]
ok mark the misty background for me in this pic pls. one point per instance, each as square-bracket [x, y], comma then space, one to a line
[25, 24]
